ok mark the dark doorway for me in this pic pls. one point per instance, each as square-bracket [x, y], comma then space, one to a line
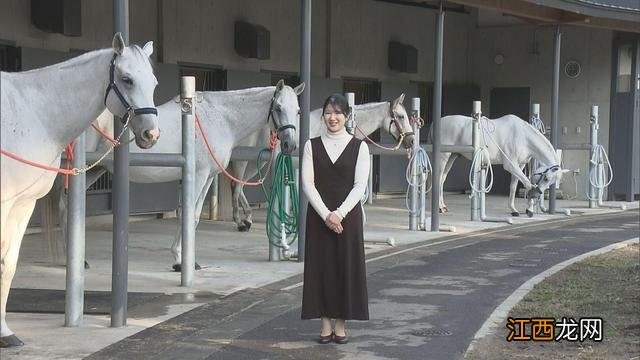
[505, 101]
[291, 79]
[10, 58]
[624, 128]
[367, 91]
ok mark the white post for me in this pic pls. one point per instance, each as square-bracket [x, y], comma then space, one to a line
[188, 107]
[475, 142]
[594, 194]
[416, 209]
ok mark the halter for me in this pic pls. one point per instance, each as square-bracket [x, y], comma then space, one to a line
[273, 118]
[130, 109]
[394, 121]
[542, 174]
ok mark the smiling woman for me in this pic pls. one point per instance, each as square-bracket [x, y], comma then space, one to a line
[334, 173]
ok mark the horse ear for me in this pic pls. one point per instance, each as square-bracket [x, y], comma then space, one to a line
[148, 48]
[118, 43]
[280, 85]
[399, 100]
[299, 89]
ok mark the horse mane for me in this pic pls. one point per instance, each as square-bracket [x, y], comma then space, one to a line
[367, 106]
[74, 61]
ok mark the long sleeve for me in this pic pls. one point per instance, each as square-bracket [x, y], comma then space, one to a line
[359, 182]
[308, 183]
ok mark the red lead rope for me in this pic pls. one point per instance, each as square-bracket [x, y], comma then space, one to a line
[273, 140]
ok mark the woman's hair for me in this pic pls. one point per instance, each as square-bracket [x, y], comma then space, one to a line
[339, 102]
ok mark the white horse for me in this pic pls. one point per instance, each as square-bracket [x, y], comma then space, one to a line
[42, 111]
[389, 116]
[227, 117]
[519, 143]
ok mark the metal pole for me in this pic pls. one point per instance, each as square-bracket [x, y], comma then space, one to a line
[593, 193]
[74, 301]
[415, 213]
[188, 106]
[555, 91]
[370, 181]
[475, 142]
[437, 101]
[305, 107]
[120, 184]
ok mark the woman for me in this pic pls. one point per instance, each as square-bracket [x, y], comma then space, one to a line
[335, 171]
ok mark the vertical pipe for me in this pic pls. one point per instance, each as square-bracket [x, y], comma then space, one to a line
[476, 182]
[213, 199]
[555, 92]
[415, 213]
[370, 182]
[305, 104]
[533, 164]
[593, 192]
[188, 106]
[74, 301]
[120, 184]
[437, 102]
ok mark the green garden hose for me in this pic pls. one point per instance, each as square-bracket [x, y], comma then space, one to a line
[280, 220]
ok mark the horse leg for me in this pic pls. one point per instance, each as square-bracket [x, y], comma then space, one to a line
[203, 182]
[246, 208]
[14, 226]
[250, 172]
[512, 196]
[518, 174]
[176, 246]
[445, 172]
[238, 169]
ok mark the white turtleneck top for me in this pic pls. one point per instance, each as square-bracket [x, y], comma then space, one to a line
[334, 144]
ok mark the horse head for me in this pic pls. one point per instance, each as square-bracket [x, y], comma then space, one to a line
[544, 177]
[130, 90]
[398, 124]
[285, 112]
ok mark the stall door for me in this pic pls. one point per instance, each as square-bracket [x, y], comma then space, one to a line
[624, 138]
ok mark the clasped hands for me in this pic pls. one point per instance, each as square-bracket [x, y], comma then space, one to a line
[333, 222]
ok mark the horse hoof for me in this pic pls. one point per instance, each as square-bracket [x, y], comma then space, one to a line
[248, 224]
[515, 213]
[529, 213]
[10, 341]
[178, 267]
[86, 265]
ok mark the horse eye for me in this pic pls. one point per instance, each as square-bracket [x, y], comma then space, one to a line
[127, 81]
[278, 108]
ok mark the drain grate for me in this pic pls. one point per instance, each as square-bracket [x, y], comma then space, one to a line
[431, 332]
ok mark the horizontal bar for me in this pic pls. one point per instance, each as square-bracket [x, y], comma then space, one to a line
[142, 159]
[574, 146]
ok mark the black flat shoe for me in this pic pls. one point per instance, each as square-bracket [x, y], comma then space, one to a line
[325, 339]
[340, 339]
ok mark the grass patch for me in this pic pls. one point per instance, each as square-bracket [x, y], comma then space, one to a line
[605, 286]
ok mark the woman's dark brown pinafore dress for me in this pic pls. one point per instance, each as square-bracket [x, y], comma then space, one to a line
[335, 284]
